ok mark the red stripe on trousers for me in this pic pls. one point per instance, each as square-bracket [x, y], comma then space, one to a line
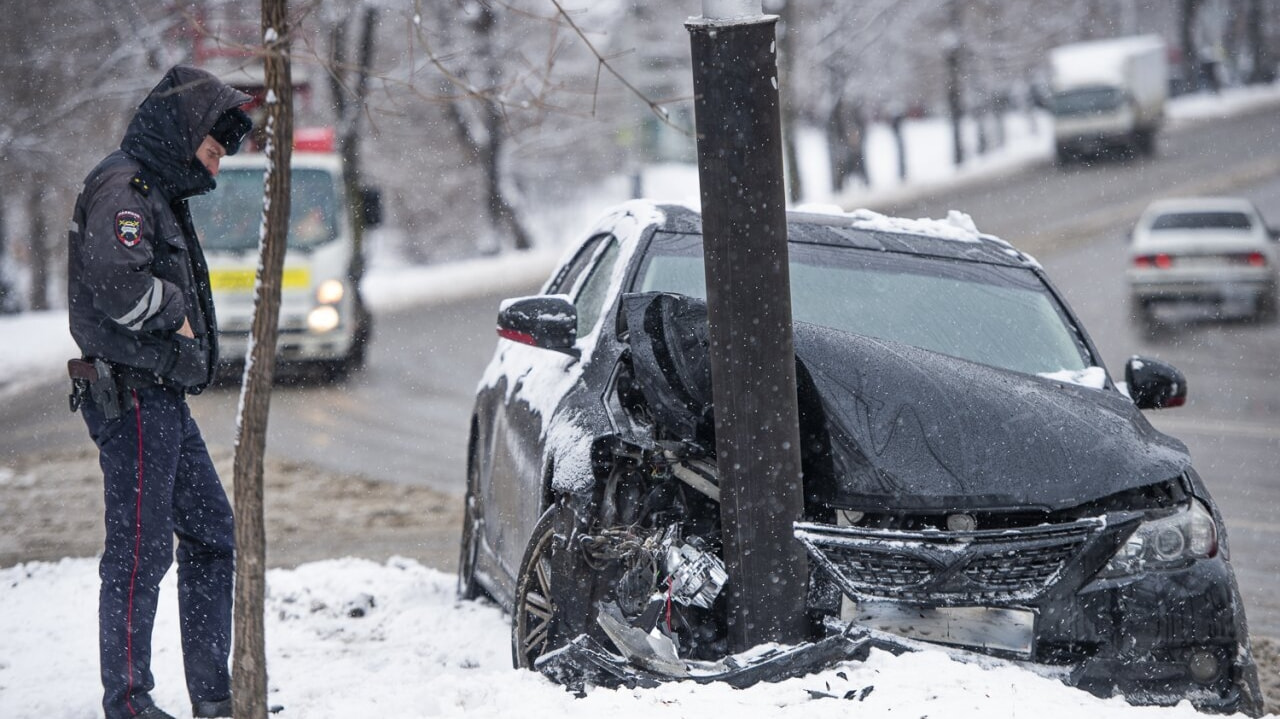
[137, 552]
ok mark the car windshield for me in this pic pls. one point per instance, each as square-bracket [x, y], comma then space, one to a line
[1086, 101]
[999, 316]
[229, 219]
[1202, 221]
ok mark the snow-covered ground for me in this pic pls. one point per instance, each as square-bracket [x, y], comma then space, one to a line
[351, 638]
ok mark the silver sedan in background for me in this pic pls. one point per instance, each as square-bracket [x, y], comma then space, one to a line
[1214, 252]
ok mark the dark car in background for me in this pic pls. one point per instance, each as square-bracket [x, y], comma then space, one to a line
[973, 475]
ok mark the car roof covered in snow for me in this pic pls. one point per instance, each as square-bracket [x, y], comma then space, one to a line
[954, 237]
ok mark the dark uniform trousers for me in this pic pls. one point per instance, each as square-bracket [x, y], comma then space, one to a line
[160, 482]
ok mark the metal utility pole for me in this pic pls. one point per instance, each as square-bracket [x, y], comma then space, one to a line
[749, 310]
[249, 664]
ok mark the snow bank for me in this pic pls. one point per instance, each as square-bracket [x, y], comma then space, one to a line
[352, 638]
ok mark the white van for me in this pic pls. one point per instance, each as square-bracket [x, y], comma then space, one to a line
[323, 319]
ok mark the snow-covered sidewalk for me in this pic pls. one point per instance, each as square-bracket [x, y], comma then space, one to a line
[353, 639]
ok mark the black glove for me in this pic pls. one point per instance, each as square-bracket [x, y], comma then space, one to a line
[190, 366]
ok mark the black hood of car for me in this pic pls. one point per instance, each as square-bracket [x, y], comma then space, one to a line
[888, 427]
[912, 430]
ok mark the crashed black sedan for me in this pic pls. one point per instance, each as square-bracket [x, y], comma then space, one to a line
[973, 475]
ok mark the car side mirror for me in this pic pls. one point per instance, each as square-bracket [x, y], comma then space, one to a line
[1154, 384]
[546, 321]
[371, 206]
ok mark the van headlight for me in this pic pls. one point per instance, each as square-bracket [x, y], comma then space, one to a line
[323, 319]
[330, 292]
[1166, 543]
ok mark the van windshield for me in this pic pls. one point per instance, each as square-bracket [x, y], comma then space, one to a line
[229, 218]
[1086, 101]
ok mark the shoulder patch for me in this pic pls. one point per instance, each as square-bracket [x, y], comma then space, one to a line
[140, 185]
[128, 228]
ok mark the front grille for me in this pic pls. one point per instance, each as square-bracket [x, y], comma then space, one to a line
[1015, 570]
[889, 570]
[946, 568]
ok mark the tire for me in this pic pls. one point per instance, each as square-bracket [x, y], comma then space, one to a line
[1145, 142]
[469, 547]
[1266, 308]
[340, 369]
[542, 618]
[1143, 315]
[356, 357]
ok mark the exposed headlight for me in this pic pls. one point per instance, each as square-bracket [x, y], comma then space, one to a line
[323, 319]
[1166, 542]
[330, 292]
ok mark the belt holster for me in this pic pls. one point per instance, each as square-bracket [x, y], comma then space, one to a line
[93, 379]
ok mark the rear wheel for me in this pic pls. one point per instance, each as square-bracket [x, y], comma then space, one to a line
[1266, 309]
[1143, 314]
[468, 587]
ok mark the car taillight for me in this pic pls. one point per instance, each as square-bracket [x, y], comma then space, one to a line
[1256, 259]
[1160, 261]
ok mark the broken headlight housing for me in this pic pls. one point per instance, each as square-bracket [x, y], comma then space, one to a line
[1166, 543]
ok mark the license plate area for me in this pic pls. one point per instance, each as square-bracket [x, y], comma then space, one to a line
[993, 629]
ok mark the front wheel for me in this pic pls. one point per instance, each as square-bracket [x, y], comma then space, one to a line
[548, 590]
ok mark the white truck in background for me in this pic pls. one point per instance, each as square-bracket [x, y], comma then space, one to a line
[323, 319]
[1108, 95]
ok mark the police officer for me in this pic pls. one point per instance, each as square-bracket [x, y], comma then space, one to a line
[142, 314]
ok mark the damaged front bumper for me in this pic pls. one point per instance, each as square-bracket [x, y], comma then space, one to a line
[1027, 596]
[1154, 637]
[585, 662]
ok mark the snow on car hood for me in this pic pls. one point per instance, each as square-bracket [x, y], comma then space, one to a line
[911, 429]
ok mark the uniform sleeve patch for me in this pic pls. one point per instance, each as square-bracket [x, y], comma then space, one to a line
[128, 228]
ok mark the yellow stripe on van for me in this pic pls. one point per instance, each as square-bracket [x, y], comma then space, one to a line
[242, 279]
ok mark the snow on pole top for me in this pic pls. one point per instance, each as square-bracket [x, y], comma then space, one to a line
[731, 9]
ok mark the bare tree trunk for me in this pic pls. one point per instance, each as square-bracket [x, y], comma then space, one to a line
[955, 93]
[1186, 35]
[38, 297]
[249, 673]
[350, 104]
[6, 299]
[1262, 71]
[839, 148]
[488, 149]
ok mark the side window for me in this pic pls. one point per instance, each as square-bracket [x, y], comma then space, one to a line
[595, 289]
[564, 283]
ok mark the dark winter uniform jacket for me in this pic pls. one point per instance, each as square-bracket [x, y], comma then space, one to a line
[136, 269]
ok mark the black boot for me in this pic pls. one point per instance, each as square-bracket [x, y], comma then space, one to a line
[220, 708]
[154, 712]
